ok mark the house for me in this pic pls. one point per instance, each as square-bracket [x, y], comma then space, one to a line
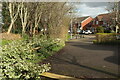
[82, 23]
[104, 20]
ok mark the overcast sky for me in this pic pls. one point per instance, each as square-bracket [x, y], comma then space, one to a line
[91, 8]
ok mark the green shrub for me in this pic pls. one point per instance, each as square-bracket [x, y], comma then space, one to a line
[68, 37]
[4, 42]
[20, 58]
[25, 36]
[48, 46]
[107, 30]
[106, 38]
[94, 41]
[100, 29]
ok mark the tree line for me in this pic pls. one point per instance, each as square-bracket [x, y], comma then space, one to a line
[114, 9]
[47, 18]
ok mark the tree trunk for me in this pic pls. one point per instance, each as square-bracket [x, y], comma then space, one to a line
[23, 29]
[34, 30]
[10, 27]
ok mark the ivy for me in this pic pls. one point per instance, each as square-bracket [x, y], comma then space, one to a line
[20, 58]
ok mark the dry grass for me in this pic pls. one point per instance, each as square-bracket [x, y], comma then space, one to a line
[10, 36]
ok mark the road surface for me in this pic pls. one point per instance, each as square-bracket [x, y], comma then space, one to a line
[81, 58]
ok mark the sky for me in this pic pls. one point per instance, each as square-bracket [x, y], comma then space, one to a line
[91, 8]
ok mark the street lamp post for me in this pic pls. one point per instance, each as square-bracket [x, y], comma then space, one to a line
[117, 15]
[71, 29]
[71, 26]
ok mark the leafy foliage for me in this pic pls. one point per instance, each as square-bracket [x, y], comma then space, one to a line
[106, 38]
[4, 42]
[20, 58]
[100, 29]
[107, 30]
[6, 16]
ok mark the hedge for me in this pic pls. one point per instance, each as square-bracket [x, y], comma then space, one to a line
[106, 38]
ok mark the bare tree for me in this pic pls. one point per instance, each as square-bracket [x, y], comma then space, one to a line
[38, 14]
[23, 16]
[52, 17]
[113, 8]
[14, 10]
[57, 16]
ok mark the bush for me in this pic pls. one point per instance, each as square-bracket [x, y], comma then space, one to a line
[4, 42]
[68, 37]
[19, 61]
[100, 29]
[20, 58]
[25, 36]
[107, 30]
[106, 38]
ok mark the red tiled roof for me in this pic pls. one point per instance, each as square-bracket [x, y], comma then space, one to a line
[104, 17]
[80, 19]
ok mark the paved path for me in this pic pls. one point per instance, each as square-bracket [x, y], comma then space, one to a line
[81, 58]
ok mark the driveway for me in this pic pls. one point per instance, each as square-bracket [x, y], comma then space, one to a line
[81, 58]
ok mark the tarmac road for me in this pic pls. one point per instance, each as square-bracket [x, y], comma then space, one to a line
[81, 58]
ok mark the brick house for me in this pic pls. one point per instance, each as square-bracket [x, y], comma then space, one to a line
[82, 23]
[89, 23]
[104, 20]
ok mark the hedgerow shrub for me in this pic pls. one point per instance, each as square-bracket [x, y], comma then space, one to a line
[20, 58]
[106, 38]
[4, 42]
[48, 46]
[100, 29]
[19, 61]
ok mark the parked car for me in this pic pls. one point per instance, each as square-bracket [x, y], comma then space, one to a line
[81, 32]
[87, 32]
[78, 31]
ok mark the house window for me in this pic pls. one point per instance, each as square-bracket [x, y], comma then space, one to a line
[93, 22]
[104, 23]
[96, 22]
